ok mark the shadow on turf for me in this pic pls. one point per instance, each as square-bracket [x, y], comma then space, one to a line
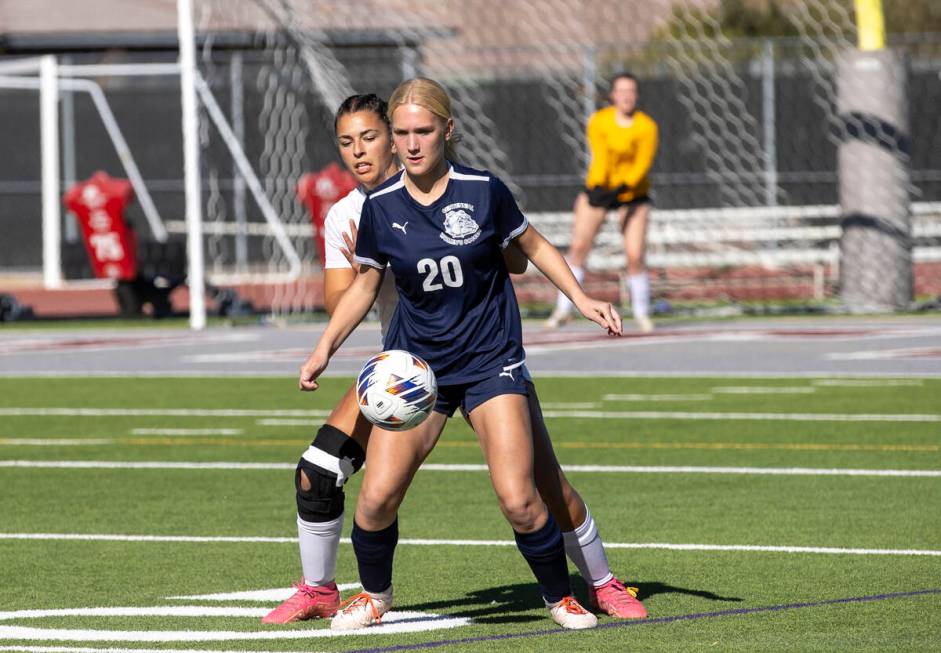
[646, 590]
[491, 604]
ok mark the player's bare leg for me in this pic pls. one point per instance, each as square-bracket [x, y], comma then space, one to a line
[336, 452]
[634, 221]
[583, 543]
[399, 454]
[503, 429]
[587, 222]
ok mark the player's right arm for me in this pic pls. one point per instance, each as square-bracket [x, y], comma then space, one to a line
[335, 283]
[339, 268]
[353, 305]
[349, 312]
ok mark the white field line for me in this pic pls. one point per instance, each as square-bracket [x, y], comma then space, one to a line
[571, 405]
[392, 622]
[441, 467]
[108, 464]
[206, 412]
[278, 421]
[694, 396]
[157, 611]
[159, 412]
[540, 373]
[866, 383]
[85, 649]
[171, 374]
[786, 417]
[501, 543]
[54, 442]
[671, 469]
[763, 390]
[275, 595]
[147, 431]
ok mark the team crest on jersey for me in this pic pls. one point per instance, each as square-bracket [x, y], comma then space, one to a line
[459, 226]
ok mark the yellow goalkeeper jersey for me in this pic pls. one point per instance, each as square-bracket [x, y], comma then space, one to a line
[621, 155]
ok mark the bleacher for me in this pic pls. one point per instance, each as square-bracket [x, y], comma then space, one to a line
[736, 253]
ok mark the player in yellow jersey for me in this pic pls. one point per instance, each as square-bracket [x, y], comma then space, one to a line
[623, 144]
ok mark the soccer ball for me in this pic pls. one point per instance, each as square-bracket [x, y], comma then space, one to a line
[396, 390]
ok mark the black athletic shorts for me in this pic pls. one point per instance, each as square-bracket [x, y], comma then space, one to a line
[603, 198]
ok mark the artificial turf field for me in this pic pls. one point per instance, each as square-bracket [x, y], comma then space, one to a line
[809, 557]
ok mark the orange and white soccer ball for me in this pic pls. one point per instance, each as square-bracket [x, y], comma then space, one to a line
[396, 390]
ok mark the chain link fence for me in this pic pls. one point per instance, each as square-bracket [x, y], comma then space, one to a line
[747, 181]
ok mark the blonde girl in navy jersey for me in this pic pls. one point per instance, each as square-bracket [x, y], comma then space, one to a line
[458, 311]
[365, 145]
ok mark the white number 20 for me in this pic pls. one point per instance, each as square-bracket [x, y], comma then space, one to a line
[451, 273]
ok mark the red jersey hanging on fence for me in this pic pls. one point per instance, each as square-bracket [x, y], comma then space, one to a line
[99, 204]
[321, 190]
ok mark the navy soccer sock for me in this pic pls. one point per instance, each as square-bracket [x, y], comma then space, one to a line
[545, 553]
[374, 551]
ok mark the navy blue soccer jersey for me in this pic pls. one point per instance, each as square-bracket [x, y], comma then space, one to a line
[457, 307]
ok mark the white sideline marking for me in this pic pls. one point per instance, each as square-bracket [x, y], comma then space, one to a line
[275, 421]
[866, 383]
[269, 596]
[159, 412]
[392, 622]
[472, 467]
[541, 373]
[788, 417]
[199, 539]
[712, 374]
[55, 442]
[107, 464]
[143, 431]
[764, 390]
[85, 649]
[666, 397]
[831, 550]
[569, 404]
[670, 469]
[156, 611]
[424, 542]
[204, 412]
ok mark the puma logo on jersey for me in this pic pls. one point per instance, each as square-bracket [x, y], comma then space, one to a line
[396, 225]
[508, 373]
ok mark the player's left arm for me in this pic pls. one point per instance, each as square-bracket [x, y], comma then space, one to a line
[646, 151]
[550, 262]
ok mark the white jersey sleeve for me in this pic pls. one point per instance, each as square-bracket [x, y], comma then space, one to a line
[337, 223]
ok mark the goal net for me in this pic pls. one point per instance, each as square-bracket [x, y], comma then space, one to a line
[785, 177]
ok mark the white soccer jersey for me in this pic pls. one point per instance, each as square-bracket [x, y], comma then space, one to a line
[336, 224]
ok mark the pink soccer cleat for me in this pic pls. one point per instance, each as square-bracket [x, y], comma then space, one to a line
[616, 600]
[307, 602]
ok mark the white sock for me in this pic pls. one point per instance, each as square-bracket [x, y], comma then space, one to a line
[640, 294]
[562, 303]
[318, 543]
[584, 547]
